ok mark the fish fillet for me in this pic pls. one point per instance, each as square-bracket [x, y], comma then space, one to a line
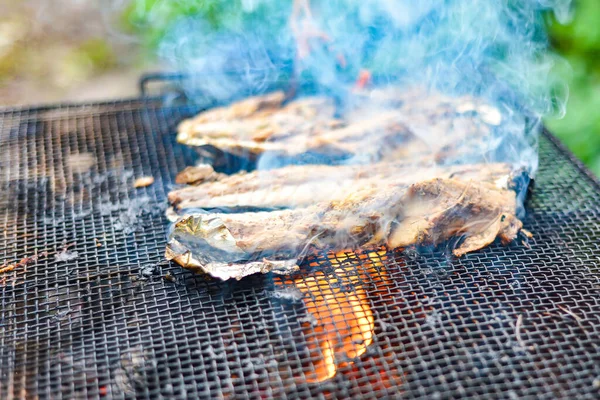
[396, 215]
[304, 185]
[384, 124]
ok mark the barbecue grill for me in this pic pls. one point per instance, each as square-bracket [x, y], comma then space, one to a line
[90, 308]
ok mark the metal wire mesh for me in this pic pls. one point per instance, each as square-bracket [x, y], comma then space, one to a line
[102, 315]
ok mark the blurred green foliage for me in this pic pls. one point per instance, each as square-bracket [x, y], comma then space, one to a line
[97, 52]
[23, 53]
[151, 19]
[578, 42]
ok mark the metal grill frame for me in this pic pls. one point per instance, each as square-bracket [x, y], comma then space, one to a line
[118, 321]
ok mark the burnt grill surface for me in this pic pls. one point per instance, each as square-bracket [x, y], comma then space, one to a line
[117, 321]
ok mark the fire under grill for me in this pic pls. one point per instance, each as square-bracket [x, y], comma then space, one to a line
[90, 308]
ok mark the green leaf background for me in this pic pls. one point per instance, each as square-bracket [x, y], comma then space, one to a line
[579, 43]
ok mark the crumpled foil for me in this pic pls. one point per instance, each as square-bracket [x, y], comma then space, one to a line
[202, 243]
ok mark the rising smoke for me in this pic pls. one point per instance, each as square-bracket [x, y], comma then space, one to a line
[496, 50]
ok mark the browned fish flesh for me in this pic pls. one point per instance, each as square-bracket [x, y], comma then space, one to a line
[293, 136]
[435, 211]
[252, 106]
[304, 185]
[396, 215]
[242, 127]
[198, 174]
[387, 124]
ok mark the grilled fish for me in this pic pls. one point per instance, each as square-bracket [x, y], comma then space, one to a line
[385, 125]
[396, 215]
[304, 185]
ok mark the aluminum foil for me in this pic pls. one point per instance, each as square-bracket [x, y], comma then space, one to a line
[202, 243]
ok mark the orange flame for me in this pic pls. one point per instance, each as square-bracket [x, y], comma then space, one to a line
[342, 321]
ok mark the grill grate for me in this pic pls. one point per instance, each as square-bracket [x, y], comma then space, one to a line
[117, 321]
